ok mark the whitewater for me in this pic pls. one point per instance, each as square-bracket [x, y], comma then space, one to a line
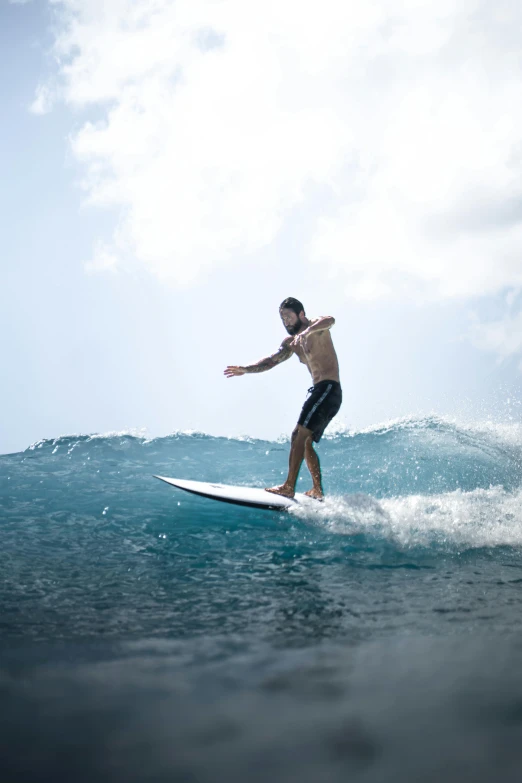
[202, 641]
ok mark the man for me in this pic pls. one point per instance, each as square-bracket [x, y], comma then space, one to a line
[312, 342]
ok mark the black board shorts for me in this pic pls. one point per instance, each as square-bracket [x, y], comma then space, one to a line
[321, 406]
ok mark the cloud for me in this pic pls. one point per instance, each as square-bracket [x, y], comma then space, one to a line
[43, 100]
[104, 260]
[219, 118]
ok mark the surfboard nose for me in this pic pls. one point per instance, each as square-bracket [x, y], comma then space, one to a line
[253, 497]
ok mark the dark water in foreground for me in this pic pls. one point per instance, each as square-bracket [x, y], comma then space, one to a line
[152, 635]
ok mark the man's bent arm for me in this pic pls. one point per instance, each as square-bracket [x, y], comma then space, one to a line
[285, 351]
[320, 324]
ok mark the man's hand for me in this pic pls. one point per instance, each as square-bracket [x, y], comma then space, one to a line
[231, 371]
[300, 339]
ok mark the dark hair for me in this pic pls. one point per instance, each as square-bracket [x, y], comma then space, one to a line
[292, 304]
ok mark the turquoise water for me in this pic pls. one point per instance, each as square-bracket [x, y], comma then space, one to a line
[246, 642]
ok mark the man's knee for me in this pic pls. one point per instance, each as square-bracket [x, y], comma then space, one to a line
[303, 434]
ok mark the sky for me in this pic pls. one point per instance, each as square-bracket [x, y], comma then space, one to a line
[171, 170]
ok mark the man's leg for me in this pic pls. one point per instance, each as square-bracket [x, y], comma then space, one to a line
[297, 451]
[312, 461]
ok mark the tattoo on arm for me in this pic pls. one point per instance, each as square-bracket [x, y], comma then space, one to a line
[281, 355]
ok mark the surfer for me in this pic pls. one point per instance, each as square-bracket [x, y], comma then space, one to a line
[312, 342]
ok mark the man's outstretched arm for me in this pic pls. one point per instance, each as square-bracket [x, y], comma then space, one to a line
[285, 352]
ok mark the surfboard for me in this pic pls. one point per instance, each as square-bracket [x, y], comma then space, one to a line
[240, 496]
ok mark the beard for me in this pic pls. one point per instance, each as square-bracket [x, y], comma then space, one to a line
[295, 328]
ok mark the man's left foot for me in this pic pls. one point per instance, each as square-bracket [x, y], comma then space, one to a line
[314, 493]
[284, 490]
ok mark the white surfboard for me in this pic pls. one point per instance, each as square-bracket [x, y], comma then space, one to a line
[241, 496]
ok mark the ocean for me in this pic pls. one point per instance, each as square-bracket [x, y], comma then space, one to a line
[147, 634]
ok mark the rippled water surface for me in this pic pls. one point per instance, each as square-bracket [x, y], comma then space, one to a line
[283, 638]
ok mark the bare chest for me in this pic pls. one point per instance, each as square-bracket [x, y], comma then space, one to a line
[315, 348]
